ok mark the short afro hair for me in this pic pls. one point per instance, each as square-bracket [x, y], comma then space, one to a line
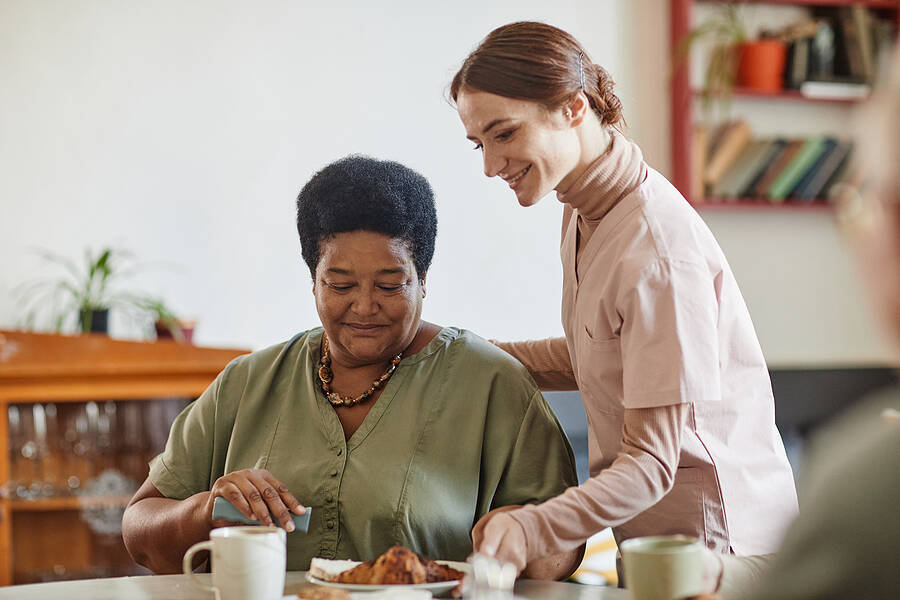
[360, 193]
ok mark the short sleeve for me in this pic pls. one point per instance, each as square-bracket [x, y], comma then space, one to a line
[184, 467]
[670, 350]
[541, 464]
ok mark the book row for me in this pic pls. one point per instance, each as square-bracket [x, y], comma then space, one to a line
[732, 165]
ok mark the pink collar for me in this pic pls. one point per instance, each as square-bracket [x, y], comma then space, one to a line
[614, 175]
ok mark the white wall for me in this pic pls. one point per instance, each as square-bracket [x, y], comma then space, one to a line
[183, 131]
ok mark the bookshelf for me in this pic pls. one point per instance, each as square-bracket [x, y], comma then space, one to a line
[789, 95]
[890, 4]
[755, 106]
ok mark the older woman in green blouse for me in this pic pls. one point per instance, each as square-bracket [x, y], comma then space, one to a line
[394, 430]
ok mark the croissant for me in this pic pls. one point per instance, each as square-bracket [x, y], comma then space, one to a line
[399, 565]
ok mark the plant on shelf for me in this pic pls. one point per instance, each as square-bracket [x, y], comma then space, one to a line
[737, 60]
[85, 293]
[166, 324]
[724, 33]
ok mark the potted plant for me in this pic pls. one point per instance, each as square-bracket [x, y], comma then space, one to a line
[166, 324]
[724, 33]
[734, 58]
[84, 293]
[761, 63]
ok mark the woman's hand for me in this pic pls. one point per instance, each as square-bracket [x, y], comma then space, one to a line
[256, 493]
[499, 535]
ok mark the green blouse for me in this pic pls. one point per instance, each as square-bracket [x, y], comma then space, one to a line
[459, 429]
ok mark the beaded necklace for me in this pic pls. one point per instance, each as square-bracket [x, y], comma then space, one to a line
[326, 376]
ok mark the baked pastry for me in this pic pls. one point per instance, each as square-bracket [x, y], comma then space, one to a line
[323, 593]
[436, 571]
[398, 566]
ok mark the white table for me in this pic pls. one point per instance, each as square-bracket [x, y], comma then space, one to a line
[177, 587]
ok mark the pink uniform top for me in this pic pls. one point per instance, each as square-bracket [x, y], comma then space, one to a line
[654, 318]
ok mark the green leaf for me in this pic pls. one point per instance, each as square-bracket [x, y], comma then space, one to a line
[724, 31]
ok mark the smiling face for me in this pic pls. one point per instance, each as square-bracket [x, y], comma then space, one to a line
[533, 149]
[368, 296]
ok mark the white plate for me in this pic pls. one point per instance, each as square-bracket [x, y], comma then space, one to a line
[435, 588]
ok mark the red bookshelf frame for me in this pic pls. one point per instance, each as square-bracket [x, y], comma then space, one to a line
[790, 95]
[755, 204]
[889, 4]
[682, 101]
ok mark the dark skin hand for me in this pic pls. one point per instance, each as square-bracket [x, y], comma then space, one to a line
[256, 493]
[159, 530]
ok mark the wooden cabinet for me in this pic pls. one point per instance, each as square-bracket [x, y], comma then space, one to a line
[786, 113]
[79, 418]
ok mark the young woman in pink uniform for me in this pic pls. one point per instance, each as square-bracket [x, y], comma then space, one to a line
[658, 338]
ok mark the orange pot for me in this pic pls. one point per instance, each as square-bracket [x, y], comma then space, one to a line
[761, 66]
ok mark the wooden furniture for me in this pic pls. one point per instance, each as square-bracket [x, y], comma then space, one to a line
[684, 98]
[177, 587]
[49, 532]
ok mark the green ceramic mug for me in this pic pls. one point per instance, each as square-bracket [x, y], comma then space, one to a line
[663, 567]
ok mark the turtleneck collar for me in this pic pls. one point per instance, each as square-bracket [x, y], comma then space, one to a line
[615, 174]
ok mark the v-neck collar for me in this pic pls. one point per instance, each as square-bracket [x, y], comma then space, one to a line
[330, 421]
[597, 240]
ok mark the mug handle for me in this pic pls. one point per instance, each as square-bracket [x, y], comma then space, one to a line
[186, 566]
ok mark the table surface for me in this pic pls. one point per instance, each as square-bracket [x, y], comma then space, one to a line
[177, 587]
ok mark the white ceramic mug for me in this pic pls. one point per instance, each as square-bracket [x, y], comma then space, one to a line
[663, 567]
[247, 562]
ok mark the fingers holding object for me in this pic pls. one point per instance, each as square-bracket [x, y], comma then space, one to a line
[253, 495]
[267, 494]
[488, 537]
[503, 538]
[260, 497]
[287, 497]
[478, 530]
[233, 493]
